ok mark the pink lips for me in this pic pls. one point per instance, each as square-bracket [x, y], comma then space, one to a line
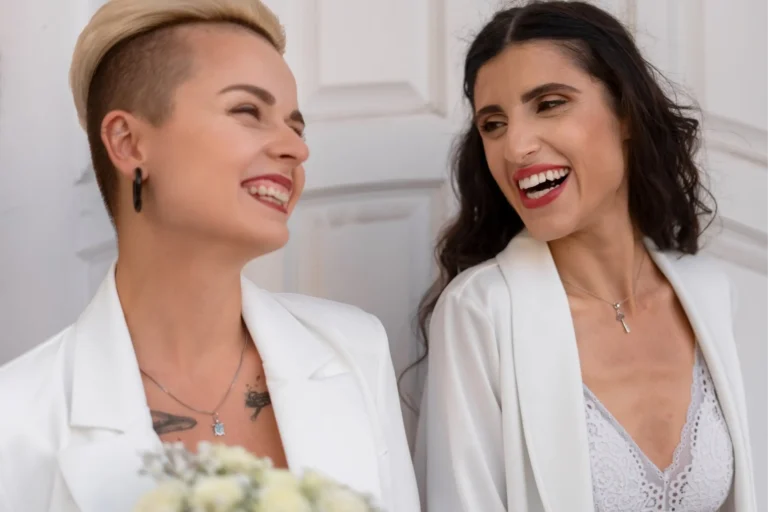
[278, 182]
[546, 199]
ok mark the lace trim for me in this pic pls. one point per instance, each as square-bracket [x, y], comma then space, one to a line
[699, 477]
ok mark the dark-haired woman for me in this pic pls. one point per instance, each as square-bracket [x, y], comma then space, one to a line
[581, 354]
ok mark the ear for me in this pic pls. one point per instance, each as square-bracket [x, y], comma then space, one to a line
[124, 137]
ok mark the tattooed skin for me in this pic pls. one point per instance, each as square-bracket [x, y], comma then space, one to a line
[164, 423]
[256, 400]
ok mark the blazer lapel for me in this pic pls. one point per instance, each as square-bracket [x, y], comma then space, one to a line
[110, 424]
[322, 408]
[548, 373]
[714, 334]
[321, 405]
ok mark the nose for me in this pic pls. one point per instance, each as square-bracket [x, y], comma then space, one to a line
[522, 142]
[287, 145]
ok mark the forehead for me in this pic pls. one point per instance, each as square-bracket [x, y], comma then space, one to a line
[523, 66]
[225, 54]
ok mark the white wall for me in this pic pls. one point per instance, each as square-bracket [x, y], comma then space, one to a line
[382, 125]
[40, 156]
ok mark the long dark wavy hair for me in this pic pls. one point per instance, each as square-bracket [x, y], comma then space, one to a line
[667, 199]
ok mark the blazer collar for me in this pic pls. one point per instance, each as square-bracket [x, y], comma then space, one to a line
[290, 348]
[322, 407]
[549, 376]
[324, 410]
[107, 390]
[706, 307]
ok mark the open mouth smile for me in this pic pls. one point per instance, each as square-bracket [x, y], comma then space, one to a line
[271, 190]
[540, 185]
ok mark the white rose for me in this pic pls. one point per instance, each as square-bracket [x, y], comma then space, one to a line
[217, 494]
[341, 500]
[166, 497]
[281, 498]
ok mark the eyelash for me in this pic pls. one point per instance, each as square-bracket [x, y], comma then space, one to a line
[256, 113]
[543, 106]
[490, 126]
[551, 104]
[248, 109]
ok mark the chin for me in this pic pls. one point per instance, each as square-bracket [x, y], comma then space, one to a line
[266, 242]
[547, 230]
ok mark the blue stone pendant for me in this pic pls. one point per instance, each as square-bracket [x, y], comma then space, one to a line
[218, 427]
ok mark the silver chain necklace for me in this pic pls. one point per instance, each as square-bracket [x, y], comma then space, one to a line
[616, 305]
[218, 426]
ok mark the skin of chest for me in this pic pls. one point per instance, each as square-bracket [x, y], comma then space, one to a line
[247, 415]
[643, 378]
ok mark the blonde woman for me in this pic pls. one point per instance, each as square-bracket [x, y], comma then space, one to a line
[197, 143]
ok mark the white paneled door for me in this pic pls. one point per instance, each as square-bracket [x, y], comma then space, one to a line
[380, 84]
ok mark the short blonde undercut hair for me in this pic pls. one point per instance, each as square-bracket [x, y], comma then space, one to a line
[129, 57]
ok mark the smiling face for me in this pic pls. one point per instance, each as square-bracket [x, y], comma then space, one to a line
[552, 140]
[226, 166]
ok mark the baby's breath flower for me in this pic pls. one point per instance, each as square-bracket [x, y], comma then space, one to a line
[339, 499]
[281, 498]
[169, 496]
[217, 494]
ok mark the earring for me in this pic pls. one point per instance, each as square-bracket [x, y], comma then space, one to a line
[137, 182]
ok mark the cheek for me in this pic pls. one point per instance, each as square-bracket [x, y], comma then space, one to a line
[497, 163]
[202, 167]
[595, 148]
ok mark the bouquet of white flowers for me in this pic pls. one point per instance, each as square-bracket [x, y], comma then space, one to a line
[222, 478]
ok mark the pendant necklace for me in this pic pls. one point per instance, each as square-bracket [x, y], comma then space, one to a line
[615, 305]
[217, 426]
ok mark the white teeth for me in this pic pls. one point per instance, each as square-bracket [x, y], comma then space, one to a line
[265, 192]
[538, 193]
[536, 179]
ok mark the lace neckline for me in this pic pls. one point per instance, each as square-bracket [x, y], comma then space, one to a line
[689, 418]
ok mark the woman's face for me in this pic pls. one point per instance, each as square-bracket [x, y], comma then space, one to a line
[226, 166]
[553, 143]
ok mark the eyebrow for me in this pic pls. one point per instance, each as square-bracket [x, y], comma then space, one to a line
[549, 88]
[265, 96]
[527, 96]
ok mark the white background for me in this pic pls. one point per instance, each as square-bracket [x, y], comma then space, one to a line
[380, 82]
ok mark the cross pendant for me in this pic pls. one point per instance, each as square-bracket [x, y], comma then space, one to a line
[620, 317]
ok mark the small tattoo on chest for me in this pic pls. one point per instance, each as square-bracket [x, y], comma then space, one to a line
[164, 423]
[256, 400]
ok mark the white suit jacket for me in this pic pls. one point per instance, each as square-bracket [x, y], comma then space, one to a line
[502, 424]
[74, 417]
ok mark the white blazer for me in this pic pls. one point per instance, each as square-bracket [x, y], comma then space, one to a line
[74, 416]
[502, 425]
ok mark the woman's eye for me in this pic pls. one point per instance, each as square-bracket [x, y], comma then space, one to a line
[548, 105]
[251, 110]
[489, 126]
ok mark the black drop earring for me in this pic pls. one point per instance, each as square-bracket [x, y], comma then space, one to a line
[137, 182]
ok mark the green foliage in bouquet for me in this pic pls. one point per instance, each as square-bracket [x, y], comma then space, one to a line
[223, 478]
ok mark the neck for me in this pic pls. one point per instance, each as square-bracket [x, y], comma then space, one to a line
[181, 303]
[603, 260]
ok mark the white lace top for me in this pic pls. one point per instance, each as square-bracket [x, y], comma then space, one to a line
[700, 476]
